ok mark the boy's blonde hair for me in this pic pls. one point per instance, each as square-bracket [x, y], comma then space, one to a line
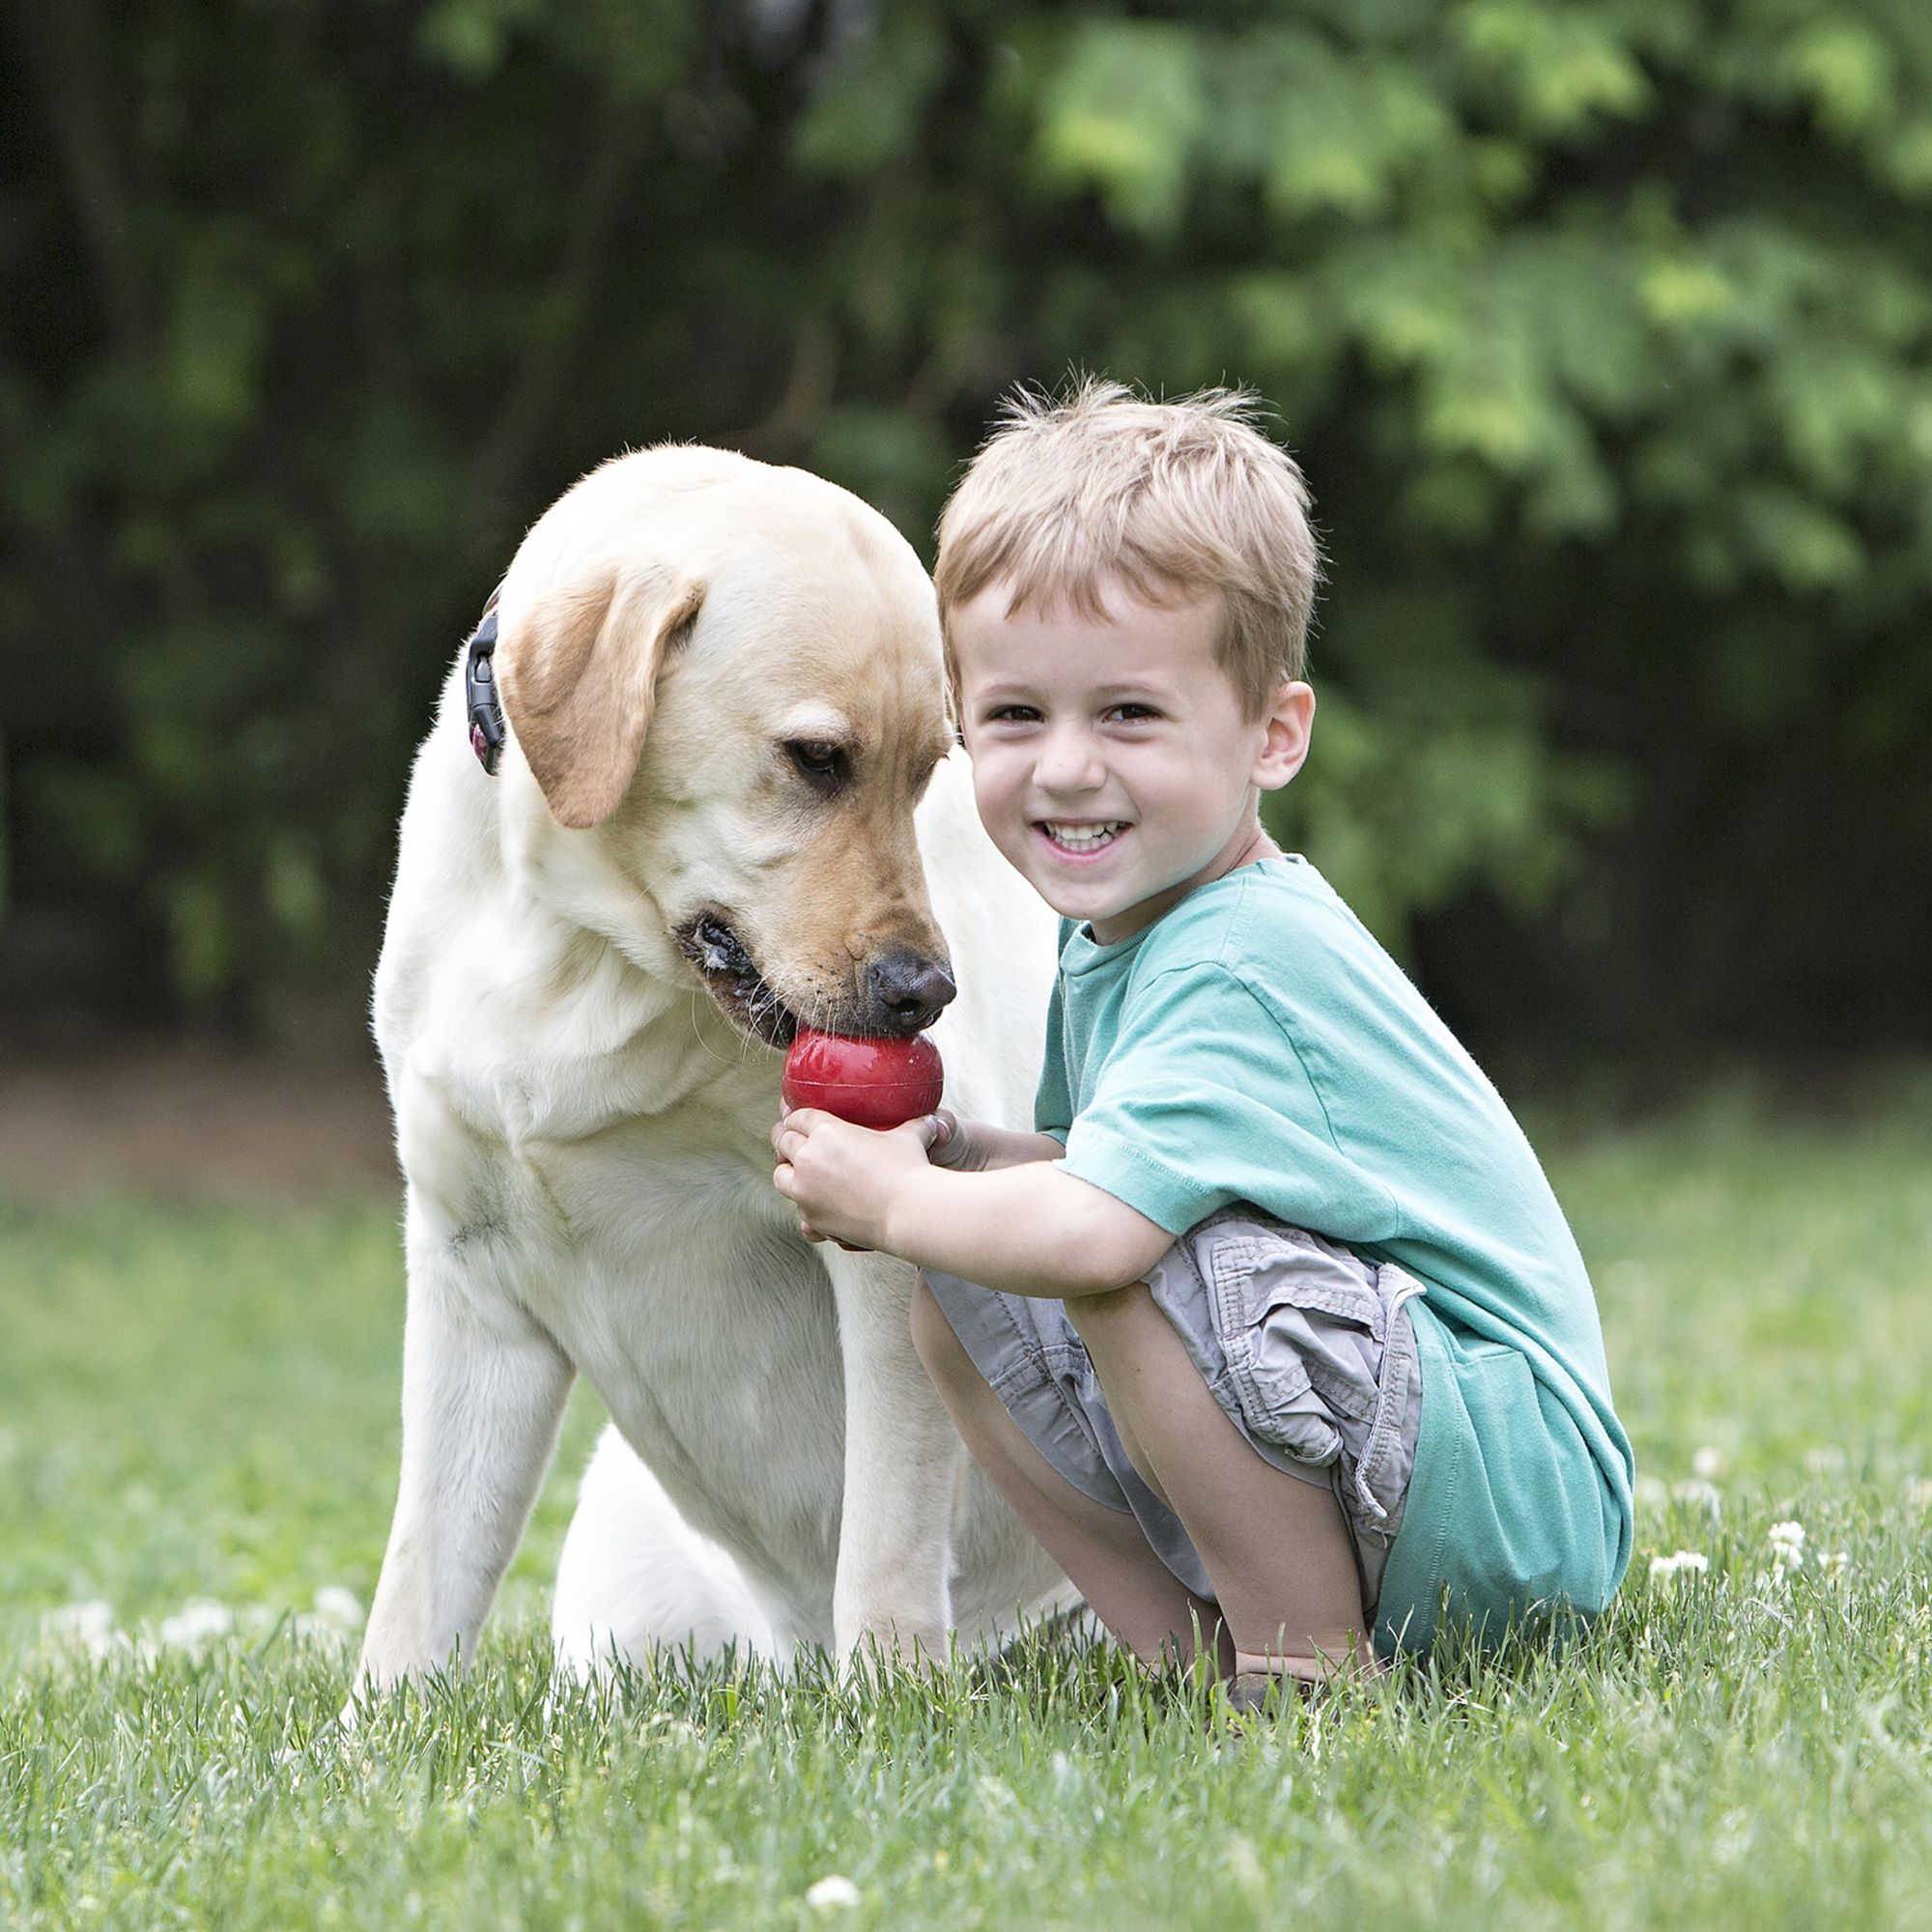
[1187, 496]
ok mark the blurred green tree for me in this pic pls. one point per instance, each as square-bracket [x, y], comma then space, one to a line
[1604, 329]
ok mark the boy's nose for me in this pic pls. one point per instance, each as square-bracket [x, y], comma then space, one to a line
[1066, 763]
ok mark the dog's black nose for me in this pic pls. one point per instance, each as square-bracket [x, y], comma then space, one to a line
[907, 992]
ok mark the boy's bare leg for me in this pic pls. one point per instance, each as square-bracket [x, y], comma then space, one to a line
[1276, 1548]
[1141, 1602]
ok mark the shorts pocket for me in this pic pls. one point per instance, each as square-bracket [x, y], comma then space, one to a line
[1302, 1332]
[1388, 1458]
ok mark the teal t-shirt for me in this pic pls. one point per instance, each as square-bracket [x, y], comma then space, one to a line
[1255, 1044]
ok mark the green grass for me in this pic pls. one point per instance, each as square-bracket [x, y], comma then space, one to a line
[198, 1404]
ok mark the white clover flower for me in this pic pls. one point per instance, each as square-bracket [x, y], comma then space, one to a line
[334, 1605]
[1787, 1548]
[1733, 1839]
[1650, 1494]
[88, 1625]
[197, 1622]
[1663, 1569]
[1836, 1566]
[834, 1892]
[1828, 1461]
[1918, 1493]
[1698, 1492]
[1707, 1464]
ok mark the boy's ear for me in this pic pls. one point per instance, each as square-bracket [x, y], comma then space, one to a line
[1290, 721]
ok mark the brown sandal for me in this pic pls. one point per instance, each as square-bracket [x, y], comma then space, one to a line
[1267, 1694]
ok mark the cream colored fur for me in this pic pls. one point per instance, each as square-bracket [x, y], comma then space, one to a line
[582, 1115]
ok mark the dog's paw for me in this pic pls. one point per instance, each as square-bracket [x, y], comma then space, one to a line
[894, 1650]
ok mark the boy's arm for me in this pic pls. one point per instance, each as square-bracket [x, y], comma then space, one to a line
[1030, 1228]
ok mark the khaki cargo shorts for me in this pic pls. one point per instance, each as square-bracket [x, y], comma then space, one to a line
[1307, 1347]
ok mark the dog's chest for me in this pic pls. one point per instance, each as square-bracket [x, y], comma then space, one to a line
[657, 1234]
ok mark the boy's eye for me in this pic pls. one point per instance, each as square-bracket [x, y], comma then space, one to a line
[1133, 713]
[1012, 714]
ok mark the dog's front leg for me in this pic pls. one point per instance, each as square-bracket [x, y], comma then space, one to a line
[903, 1461]
[483, 1396]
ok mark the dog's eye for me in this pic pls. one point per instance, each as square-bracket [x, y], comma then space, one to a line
[827, 768]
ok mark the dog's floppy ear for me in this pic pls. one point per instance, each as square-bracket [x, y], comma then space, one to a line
[579, 673]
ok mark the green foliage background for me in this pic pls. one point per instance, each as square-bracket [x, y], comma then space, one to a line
[1604, 330]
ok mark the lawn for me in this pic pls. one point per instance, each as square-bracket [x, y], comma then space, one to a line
[197, 1453]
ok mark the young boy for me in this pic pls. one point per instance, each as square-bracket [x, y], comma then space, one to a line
[1273, 1329]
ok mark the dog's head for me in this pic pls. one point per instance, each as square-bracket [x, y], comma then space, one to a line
[738, 694]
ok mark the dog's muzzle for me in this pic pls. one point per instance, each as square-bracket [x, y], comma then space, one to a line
[905, 993]
[900, 990]
[733, 979]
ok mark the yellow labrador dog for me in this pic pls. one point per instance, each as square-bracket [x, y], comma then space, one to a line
[726, 802]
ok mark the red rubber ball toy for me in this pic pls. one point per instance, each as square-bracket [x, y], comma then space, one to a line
[872, 1083]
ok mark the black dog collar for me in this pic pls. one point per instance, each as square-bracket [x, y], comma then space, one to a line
[480, 688]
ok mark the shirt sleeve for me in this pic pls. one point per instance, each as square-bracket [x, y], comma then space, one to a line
[1204, 1101]
[1053, 1100]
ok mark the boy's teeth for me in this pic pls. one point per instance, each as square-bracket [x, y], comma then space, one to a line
[1083, 838]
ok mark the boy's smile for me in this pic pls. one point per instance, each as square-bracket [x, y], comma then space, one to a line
[1111, 761]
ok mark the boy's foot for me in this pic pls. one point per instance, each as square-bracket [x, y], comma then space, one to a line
[1291, 1684]
[1267, 1694]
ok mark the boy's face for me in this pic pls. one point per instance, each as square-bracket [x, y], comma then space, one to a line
[1111, 761]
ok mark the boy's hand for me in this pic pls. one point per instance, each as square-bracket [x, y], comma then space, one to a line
[977, 1147]
[950, 1143]
[842, 1178]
